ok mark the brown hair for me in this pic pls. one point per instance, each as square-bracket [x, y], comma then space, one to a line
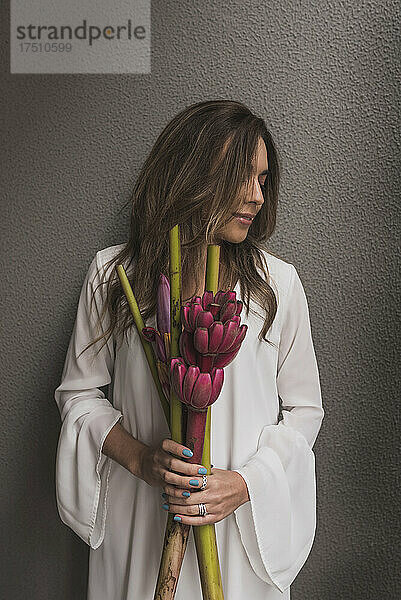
[195, 176]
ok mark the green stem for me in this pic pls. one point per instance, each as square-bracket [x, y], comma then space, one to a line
[147, 346]
[175, 327]
[176, 533]
[205, 535]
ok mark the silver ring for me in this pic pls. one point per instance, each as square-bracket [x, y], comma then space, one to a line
[204, 484]
[202, 510]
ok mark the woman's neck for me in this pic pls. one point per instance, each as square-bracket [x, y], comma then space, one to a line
[191, 287]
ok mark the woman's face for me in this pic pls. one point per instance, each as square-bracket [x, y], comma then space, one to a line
[236, 229]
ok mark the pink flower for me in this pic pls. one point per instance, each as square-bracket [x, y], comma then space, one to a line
[213, 333]
[197, 390]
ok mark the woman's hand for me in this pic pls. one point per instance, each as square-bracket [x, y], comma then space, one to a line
[159, 467]
[225, 492]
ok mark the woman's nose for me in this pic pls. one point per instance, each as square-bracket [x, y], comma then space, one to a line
[257, 194]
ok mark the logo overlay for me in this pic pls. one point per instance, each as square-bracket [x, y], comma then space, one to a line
[92, 36]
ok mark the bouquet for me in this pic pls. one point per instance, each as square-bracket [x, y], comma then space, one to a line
[192, 344]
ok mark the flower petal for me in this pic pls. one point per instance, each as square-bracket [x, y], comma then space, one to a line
[163, 305]
[207, 298]
[201, 339]
[222, 360]
[228, 310]
[201, 391]
[229, 336]
[178, 375]
[204, 319]
[194, 310]
[240, 304]
[216, 332]
[190, 378]
[160, 349]
[217, 383]
[185, 310]
[187, 349]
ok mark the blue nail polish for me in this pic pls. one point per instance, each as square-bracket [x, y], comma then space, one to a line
[164, 495]
[165, 506]
[202, 471]
[194, 482]
[177, 518]
[187, 453]
[187, 494]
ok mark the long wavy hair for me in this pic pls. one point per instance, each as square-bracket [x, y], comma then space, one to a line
[196, 176]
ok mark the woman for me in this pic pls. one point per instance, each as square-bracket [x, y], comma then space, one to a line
[115, 457]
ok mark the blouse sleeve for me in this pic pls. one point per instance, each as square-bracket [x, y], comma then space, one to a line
[277, 526]
[82, 470]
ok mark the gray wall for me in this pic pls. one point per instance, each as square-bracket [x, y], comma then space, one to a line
[326, 78]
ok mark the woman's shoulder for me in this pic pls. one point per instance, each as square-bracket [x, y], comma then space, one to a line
[280, 270]
[99, 267]
[104, 255]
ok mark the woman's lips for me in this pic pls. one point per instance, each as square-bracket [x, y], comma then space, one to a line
[243, 220]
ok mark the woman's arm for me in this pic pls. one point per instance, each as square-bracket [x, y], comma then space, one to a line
[87, 417]
[122, 447]
[277, 526]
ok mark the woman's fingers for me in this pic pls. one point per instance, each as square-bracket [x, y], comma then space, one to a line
[179, 466]
[189, 514]
[192, 520]
[177, 494]
[185, 497]
[169, 445]
[187, 483]
[184, 510]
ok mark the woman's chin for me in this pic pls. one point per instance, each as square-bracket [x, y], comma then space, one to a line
[234, 233]
[235, 238]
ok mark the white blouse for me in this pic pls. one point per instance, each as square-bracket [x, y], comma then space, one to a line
[265, 542]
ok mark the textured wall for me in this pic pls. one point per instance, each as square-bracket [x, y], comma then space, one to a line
[325, 76]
